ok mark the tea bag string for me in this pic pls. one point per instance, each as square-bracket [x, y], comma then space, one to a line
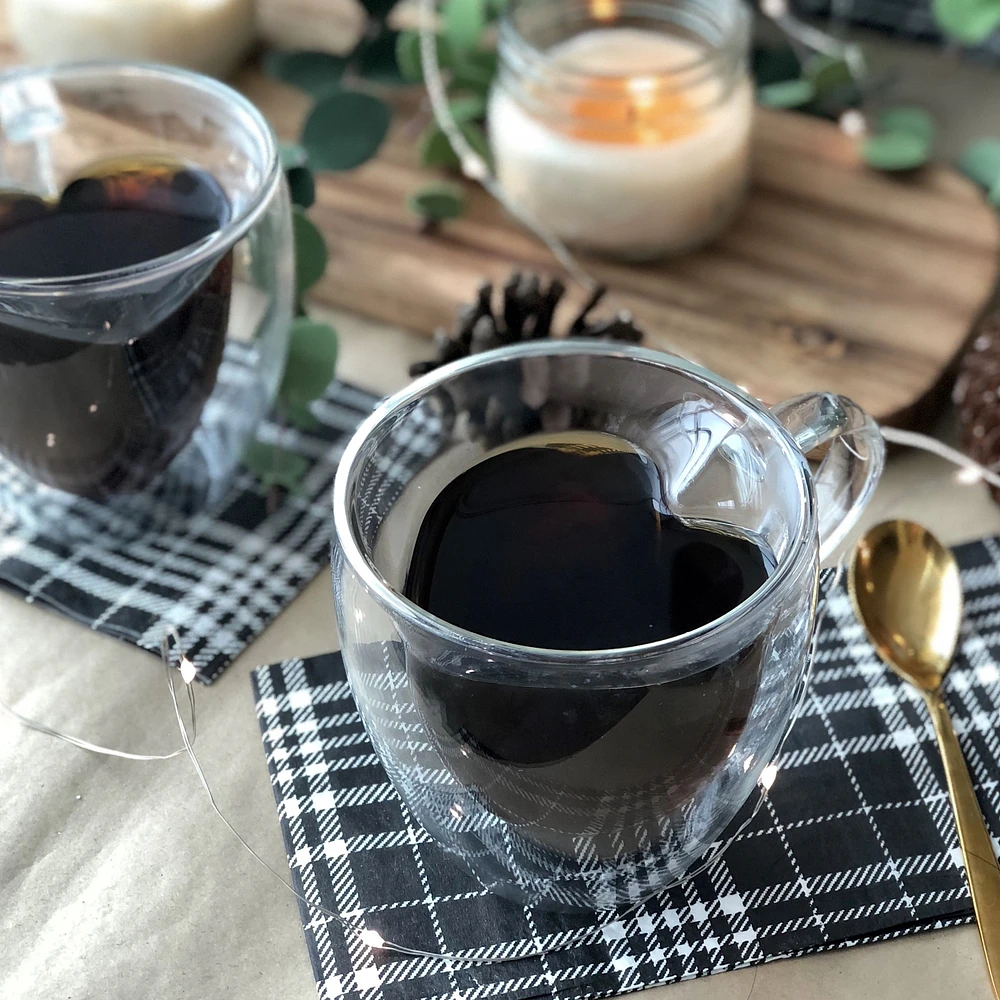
[371, 937]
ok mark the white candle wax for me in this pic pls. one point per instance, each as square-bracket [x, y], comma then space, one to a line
[639, 195]
[210, 36]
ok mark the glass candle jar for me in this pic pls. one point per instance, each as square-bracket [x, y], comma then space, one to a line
[146, 292]
[210, 36]
[624, 125]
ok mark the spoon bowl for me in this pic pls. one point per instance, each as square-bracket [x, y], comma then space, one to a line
[907, 592]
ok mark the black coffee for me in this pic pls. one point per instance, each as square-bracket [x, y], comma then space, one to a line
[98, 419]
[569, 546]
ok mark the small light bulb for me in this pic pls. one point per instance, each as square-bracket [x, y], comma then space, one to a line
[968, 476]
[774, 8]
[853, 124]
[372, 938]
[188, 671]
[474, 167]
[768, 775]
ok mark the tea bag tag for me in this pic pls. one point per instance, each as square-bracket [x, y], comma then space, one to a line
[30, 112]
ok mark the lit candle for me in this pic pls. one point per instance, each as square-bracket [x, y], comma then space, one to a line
[627, 140]
[210, 36]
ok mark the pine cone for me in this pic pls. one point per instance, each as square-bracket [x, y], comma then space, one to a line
[525, 312]
[977, 396]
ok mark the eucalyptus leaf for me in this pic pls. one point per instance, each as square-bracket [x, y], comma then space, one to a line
[408, 55]
[476, 138]
[786, 94]
[474, 71]
[292, 155]
[967, 21]
[468, 107]
[313, 72]
[435, 150]
[345, 129]
[775, 64]
[464, 23]
[469, 77]
[379, 9]
[895, 151]
[827, 72]
[300, 416]
[911, 120]
[310, 251]
[259, 457]
[301, 186]
[275, 466]
[980, 161]
[831, 104]
[437, 202]
[376, 58]
[312, 358]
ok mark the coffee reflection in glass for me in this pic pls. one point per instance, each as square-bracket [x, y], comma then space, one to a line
[101, 418]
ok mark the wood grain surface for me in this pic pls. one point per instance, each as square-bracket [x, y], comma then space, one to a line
[833, 276]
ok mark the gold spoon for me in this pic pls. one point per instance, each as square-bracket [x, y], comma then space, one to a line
[907, 593]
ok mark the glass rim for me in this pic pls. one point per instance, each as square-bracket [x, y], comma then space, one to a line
[120, 279]
[401, 607]
[529, 58]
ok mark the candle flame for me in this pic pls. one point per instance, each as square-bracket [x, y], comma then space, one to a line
[603, 10]
[642, 92]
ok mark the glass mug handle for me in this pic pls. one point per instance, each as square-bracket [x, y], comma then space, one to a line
[848, 474]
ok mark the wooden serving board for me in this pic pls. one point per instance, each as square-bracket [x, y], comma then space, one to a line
[833, 277]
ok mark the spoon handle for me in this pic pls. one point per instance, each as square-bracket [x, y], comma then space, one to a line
[981, 867]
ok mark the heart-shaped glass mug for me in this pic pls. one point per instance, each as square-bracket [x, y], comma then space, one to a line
[640, 756]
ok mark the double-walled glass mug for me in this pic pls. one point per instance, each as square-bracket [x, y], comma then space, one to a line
[590, 778]
[128, 393]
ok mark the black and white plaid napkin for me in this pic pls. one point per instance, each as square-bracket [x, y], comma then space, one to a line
[220, 576]
[855, 843]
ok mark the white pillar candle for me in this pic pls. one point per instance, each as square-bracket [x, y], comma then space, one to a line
[637, 148]
[210, 36]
